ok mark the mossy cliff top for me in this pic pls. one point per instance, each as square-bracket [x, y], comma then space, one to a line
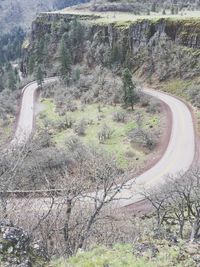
[154, 47]
[183, 31]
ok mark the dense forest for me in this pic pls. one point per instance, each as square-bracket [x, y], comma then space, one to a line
[10, 45]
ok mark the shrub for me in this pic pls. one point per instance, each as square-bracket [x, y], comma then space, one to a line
[144, 100]
[70, 105]
[154, 106]
[119, 116]
[143, 137]
[64, 124]
[194, 96]
[80, 127]
[105, 133]
[68, 122]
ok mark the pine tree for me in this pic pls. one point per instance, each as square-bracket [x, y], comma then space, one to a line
[65, 59]
[39, 76]
[153, 7]
[1, 83]
[40, 50]
[172, 10]
[31, 64]
[130, 95]
[77, 33]
[11, 77]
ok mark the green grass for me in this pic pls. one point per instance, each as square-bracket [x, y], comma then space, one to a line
[181, 88]
[124, 19]
[119, 256]
[177, 87]
[123, 256]
[118, 145]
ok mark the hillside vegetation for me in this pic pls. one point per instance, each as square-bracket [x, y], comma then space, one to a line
[144, 255]
[94, 128]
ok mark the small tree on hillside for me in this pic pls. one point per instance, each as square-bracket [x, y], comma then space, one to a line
[130, 95]
[65, 58]
[39, 76]
[153, 7]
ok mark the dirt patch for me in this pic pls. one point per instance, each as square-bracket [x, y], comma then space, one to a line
[139, 208]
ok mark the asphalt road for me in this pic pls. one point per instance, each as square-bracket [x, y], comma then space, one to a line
[26, 117]
[178, 156]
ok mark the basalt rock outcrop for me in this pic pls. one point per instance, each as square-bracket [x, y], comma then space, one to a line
[159, 48]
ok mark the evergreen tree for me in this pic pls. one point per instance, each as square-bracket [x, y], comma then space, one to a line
[12, 77]
[1, 83]
[40, 50]
[130, 95]
[77, 33]
[153, 7]
[31, 64]
[39, 75]
[114, 55]
[11, 80]
[176, 10]
[65, 59]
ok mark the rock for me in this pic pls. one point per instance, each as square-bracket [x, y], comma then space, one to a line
[16, 248]
[192, 248]
[196, 258]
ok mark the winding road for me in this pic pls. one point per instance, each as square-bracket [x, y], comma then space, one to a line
[26, 117]
[178, 156]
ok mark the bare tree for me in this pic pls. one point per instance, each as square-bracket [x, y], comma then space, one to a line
[178, 200]
[64, 194]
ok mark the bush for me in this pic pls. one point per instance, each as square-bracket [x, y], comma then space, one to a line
[194, 96]
[80, 127]
[144, 100]
[68, 122]
[105, 133]
[64, 124]
[119, 116]
[143, 137]
[76, 149]
[70, 105]
[154, 106]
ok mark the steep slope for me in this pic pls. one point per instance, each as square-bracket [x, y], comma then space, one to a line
[159, 49]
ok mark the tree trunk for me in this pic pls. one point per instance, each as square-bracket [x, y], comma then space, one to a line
[181, 226]
[195, 230]
[66, 225]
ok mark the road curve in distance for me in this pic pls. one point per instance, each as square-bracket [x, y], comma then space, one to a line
[25, 122]
[178, 156]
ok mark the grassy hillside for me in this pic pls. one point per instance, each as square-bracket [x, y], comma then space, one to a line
[144, 255]
[100, 116]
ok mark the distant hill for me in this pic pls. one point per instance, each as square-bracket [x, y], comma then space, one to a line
[138, 6]
[20, 13]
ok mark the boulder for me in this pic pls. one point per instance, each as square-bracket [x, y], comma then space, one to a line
[17, 249]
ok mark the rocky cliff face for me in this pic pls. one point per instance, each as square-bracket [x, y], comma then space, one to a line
[160, 49]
